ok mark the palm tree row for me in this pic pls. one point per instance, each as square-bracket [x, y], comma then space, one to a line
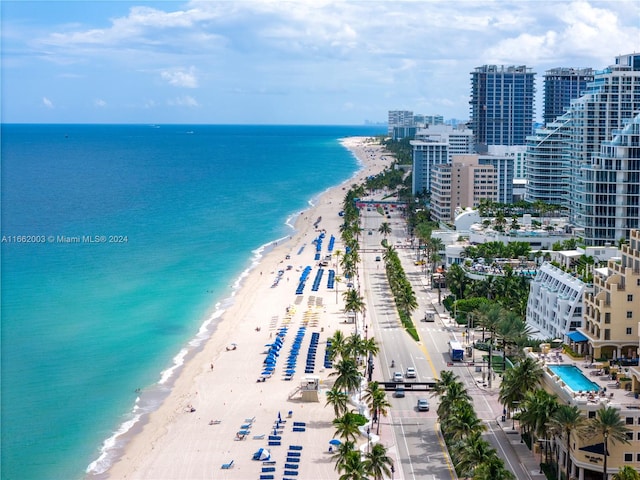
[345, 352]
[401, 289]
[462, 430]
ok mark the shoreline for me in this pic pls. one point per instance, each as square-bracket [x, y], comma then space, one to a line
[144, 449]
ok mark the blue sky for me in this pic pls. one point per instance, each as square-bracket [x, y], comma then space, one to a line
[278, 62]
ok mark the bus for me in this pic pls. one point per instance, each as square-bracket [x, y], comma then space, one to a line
[456, 351]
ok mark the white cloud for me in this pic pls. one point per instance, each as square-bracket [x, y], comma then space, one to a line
[184, 101]
[180, 77]
[47, 103]
[98, 102]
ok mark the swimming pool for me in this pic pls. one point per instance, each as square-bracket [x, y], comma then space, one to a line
[574, 378]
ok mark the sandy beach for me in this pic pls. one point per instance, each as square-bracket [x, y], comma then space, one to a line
[195, 431]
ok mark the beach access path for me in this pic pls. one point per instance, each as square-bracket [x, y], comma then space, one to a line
[194, 433]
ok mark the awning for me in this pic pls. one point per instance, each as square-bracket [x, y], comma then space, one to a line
[597, 448]
[577, 336]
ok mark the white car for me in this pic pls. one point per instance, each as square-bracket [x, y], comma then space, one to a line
[398, 377]
[411, 372]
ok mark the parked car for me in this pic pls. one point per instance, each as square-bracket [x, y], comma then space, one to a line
[399, 393]
[398, 377]
[411, 372]
[423, 405]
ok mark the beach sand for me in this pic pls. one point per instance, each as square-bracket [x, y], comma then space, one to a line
[221, 384]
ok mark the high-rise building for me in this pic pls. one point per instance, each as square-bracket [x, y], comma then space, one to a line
[502, 105]
[561, 85]
[465, 182]
[547, 158]
[435, 145]
[400, 124]
[611, 100]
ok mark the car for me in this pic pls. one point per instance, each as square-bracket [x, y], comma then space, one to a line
[399, 392]
[398, 377]
[377, 259]
[429, 316]
[423, 405]
[411, 372]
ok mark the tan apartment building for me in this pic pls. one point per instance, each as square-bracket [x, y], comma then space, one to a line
[463, 183]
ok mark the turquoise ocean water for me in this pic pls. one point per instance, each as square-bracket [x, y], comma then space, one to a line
[122, 244]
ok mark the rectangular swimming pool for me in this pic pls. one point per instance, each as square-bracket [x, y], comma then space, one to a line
[574, 378]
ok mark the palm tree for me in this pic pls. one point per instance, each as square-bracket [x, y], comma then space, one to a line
[475, 451]
[352, 467]
[456, 392]
[463, 421]
[566, 420]
[524, 377]
[353, 302]
[447, 377]
[492, 469]
[536, 410]
[626, 473]
[608, 425]
[377, 463]
[385, 229]
[342, 452]
[338, 343]
[339, 400]
[377, 402]
[347, 427]
[348, 377]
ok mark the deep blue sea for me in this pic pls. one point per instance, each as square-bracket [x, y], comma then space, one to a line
[121, 245]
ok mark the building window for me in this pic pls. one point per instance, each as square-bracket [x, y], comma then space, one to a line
[629, 420]
[630, 298]
[629, 436]
[628, 330]
[628, 457]
[592, 414]
[607, 334]
[607, 317]
[629, 314]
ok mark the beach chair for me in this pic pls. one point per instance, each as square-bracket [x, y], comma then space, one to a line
[268, 469]
[258, 437]
[227, 466]
[267, 477]
[295, 447]
[293, 454]
[299, 429]
[293, 460]
[274, 443]
[291, 472]
[269, 462]
[299, 424]
[293, 466]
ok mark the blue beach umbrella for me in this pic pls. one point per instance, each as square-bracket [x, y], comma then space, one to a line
[335, 442]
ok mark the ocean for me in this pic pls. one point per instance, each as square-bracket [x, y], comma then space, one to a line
[121, 246]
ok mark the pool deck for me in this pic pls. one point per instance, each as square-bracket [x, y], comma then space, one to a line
[609, 392]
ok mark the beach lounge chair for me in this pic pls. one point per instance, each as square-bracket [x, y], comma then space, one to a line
[258, 437]
[227, 466]
[293, 459]
[291, 472]
[274, 443]
[293, 466]
[299, 429]
[295, 447]
[268, 469]
[267, 477]
[293, 454]
[299, 424]
[269, 462]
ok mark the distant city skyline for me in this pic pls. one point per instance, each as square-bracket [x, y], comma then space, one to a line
[264, 62]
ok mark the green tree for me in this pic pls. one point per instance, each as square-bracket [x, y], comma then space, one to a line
[566, 420]
[339, 400]
[626, 473]
[608, 425]
[347, 426]
[353, 468]
[377, 463]
[492, 469]
[474, 451]
[385, 229]
[348, 377]
[377, 402]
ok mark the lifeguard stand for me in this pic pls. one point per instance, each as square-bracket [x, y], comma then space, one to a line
[310, 387]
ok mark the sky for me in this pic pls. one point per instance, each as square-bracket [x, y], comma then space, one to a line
[305, 62]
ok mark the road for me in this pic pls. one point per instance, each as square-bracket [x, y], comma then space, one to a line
[416, 438]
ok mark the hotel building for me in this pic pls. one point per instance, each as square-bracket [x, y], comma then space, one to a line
[561, 85]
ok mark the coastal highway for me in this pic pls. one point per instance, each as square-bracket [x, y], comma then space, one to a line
[415, 435]
[416, 439]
